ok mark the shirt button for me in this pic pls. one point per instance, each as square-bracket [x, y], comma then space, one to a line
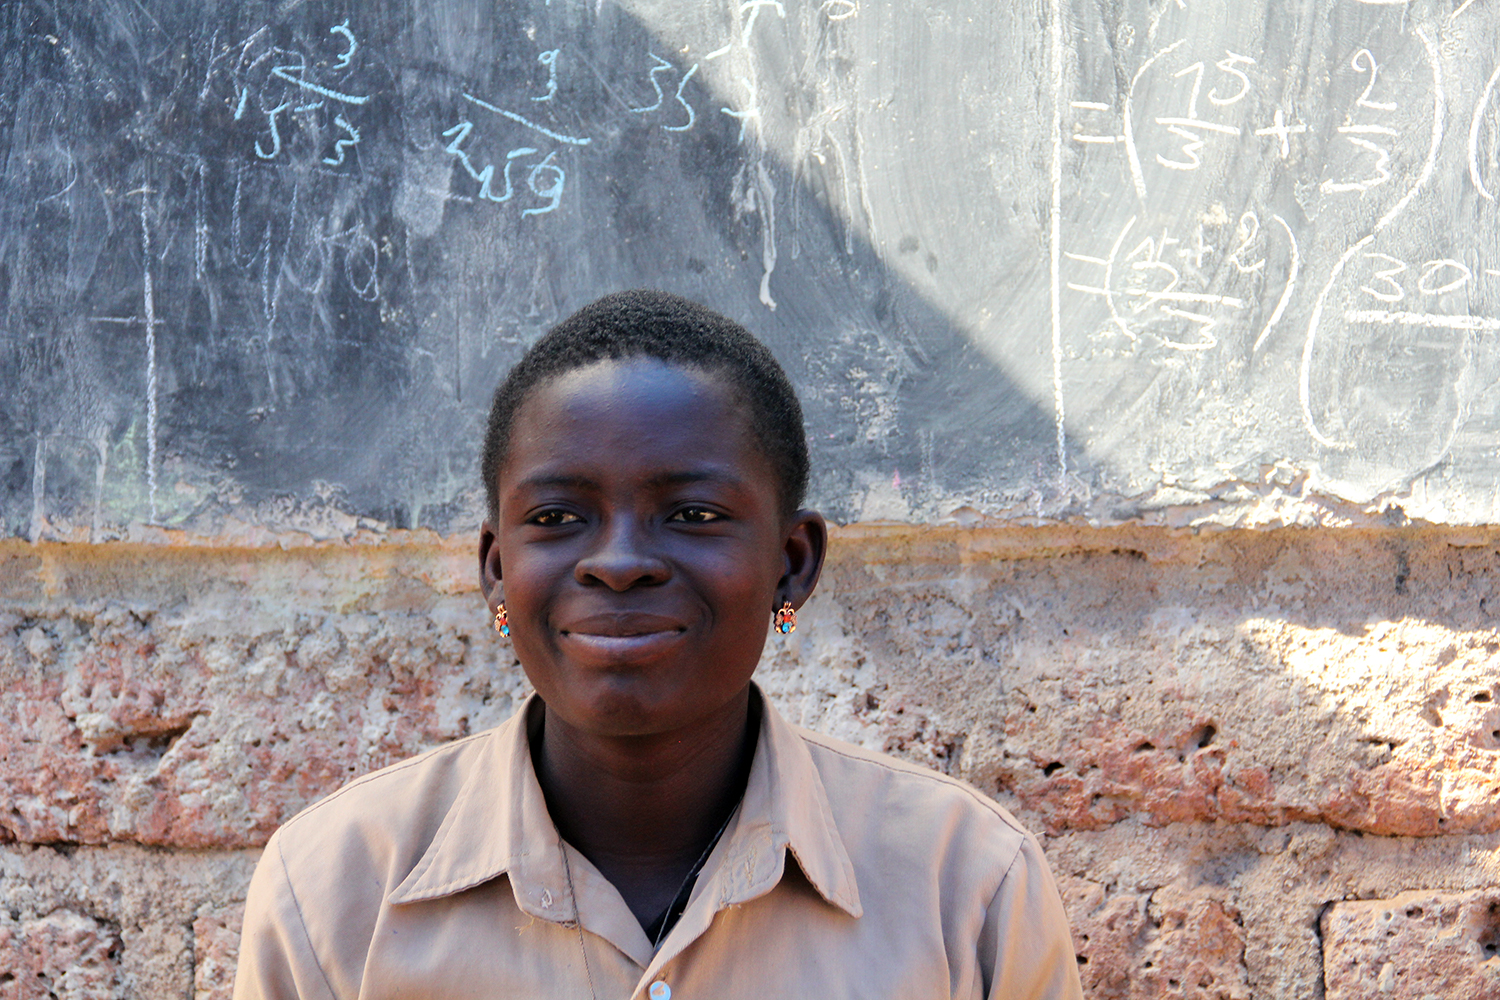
[660, 991]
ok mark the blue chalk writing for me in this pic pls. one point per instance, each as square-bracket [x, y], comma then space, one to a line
[284, 73]
[549, 60]
[519, 120]
[342, 144]
[348, 55]
[661, 67]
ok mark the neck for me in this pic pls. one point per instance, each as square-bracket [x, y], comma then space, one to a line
[644, 808]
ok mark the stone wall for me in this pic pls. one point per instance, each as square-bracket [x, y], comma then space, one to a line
[1263, 763]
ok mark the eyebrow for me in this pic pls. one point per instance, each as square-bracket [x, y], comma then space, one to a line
[665, 479]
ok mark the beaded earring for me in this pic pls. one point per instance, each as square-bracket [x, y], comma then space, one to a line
[502, 623]
[786, 618]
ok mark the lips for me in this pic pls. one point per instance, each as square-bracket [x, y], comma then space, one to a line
[625, 635]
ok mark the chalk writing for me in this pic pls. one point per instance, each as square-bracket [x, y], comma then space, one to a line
[549, 60]
[1356, 134]
[1475, 123]
[292, 94]
[1282, 131]
[528, 123]
[545, 179]
[1189, 126]
[1176, 288]
[662, 66]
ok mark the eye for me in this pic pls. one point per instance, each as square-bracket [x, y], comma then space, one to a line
[696, 515]
[554, 518]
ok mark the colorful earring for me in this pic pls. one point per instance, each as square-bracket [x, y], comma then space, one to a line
[502, 623]
[786, 618]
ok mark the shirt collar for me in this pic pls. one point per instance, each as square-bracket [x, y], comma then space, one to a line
[499, 824]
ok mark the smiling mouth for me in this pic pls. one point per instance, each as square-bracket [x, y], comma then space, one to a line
[623, 636]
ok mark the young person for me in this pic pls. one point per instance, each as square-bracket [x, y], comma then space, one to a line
[647, 826]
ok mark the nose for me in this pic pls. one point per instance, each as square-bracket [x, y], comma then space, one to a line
[622, 557]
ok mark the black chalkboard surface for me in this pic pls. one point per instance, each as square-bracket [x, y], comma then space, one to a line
[262, 263]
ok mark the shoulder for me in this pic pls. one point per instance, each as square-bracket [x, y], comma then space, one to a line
[882, 803]
[394, 803]
[321, 882]
[350, 850]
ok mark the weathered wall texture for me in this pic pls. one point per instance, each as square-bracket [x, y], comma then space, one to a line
[1264, 763]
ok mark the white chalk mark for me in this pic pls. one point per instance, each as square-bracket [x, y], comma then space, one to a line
[753, 114]
[1090, 105]
[1474, 123]
[1206, 325]
[1304, 387]
[1381, 175]
[1073, 286]
[1461, 8]
[754, 6]
[149, 302]
[1189, 148]
[846, 9]
[718, 53]
[1109, 279]
[1133, 154]
[692, 115]
[347, 56]
[1106, 140]
[1433, 267]
[1388, 276]
[341, 145]
[333, 95]
[1207, 298]
[1199, 123]
[1282, 130]
[1374, 70]
[1433, 321]
[1492, 274]
[200, 230]
[1250, 232]
[1055, 249]
[1286, 293]
[661, 67]
[275, 134]
[1439, 110]
[1228, 66]
[549, 60]
[1085, 259]
[767, 202]
[1367, 130]
[519, 120]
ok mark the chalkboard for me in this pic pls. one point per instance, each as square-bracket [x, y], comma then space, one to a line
[262, 263]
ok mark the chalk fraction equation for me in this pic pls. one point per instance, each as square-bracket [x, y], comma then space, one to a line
[286, 92]
[530, 174]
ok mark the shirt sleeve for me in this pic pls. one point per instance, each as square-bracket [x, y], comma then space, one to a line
[276, 958]
[1025, 947]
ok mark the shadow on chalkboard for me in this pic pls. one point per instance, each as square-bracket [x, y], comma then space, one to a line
[265, 266]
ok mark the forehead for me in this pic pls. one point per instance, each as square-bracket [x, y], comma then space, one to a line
[620, 414]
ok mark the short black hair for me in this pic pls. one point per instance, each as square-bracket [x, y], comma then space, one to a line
[645, 323]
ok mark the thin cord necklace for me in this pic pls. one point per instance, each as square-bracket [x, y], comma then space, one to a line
[676, 898]
[577, 915]
[666, 917]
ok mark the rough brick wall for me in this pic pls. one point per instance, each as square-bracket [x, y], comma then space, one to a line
[1264, 763]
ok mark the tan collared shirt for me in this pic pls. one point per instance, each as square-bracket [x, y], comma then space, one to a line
[843, 874]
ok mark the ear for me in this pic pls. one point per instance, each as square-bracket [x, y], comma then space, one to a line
[805, 545]
[489, 566]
